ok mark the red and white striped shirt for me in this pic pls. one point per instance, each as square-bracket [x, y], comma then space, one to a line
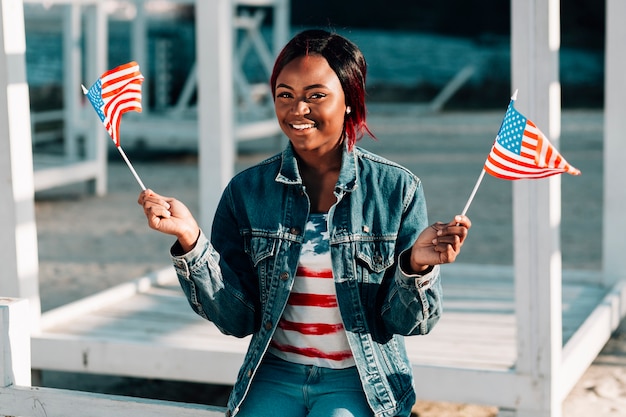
[311, 330]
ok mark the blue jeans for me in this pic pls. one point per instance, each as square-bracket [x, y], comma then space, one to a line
[285, 389]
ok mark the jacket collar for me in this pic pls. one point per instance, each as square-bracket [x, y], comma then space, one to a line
[347, 182]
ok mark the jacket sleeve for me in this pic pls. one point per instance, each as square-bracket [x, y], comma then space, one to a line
[217, 277]
[413, 302]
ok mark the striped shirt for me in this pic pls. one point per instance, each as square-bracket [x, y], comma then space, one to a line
[311, 331]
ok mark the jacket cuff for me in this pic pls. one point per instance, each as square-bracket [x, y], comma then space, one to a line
[423, 280]
[182, 260]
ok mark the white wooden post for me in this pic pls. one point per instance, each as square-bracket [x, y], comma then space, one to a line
[96, 62]
[18, 232]
[614, 144]
[14, 342]
[139, 49]
[71, 77]
[216, 147]
[537, 211]
[282, 11]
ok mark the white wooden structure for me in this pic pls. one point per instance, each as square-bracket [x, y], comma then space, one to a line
[76, 166]
[251, 120]
[19, 398]
[527, 345]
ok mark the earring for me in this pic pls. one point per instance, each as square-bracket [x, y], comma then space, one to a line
[348, 110]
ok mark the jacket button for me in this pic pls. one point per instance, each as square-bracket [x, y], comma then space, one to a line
[249, 373]
[284, 276]
[294, 230]
[378, 259]
[268, 325]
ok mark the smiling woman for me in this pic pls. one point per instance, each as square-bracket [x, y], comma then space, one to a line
[322, 253]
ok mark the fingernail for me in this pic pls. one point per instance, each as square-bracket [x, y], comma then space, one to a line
[434, 241]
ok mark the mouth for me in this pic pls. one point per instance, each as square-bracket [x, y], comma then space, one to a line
[302, 126]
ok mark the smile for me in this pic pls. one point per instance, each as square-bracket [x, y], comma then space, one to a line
[303, 126]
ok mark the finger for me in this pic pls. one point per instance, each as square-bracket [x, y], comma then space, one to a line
[156, 210]
[461, 220]
[447, 252]
[155, 199]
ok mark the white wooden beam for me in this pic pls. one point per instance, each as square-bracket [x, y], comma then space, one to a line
[216, 147]
[614, 227]
[282, 23]
[139, 47]
[18, 232]
[37, 401]
[14, 342]
[96, 62]
[71, 78]
[536, 210]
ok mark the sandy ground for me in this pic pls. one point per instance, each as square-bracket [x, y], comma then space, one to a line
[88, 243]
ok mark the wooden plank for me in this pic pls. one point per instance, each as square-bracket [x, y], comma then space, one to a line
[64, 173]
[105, 298]
[145, 360]
[590, 337]
[484, 328]
[35, 402]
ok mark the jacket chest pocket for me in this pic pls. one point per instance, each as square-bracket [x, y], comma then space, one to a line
[374, 257]
[262, 253]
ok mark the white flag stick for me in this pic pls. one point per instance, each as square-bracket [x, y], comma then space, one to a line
[482, 175]
[471, 197]
[130, 166]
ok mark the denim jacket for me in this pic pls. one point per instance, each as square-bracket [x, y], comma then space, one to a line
[241, 280]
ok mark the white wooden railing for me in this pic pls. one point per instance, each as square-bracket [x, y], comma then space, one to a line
[18, 398]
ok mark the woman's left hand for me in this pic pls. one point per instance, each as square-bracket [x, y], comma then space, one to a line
[439, 243]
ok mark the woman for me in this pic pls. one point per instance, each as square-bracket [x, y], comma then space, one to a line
[322, 253]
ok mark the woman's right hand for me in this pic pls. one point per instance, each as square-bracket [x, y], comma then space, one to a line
[170, 216]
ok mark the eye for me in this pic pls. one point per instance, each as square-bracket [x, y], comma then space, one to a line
[283, 94]
[317, 96]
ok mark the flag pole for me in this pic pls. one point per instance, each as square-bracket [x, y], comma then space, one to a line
[130, 166]
[471, 197]
[482, 174]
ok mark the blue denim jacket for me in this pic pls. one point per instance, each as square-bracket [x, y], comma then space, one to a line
[241, 280]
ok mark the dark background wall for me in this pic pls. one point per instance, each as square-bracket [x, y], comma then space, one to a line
[582, 21]
[483, 22]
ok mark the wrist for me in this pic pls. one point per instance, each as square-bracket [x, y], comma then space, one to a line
[412, 268]
[189, 239]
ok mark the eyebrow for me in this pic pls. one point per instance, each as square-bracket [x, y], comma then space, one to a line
[309, 87]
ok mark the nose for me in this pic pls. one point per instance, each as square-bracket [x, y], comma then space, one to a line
[301, 107]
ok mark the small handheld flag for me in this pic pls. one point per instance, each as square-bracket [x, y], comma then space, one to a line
[521, 151]
[116, 92]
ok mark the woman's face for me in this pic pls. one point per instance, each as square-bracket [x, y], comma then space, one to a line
[310, 104]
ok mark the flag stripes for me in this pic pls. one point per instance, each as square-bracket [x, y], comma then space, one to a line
[116, 92]
[521, 150]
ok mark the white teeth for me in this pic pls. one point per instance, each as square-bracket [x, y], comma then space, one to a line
[302, 127]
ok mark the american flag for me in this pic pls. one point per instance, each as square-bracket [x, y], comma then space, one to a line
[521, 150]
[116, 92]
